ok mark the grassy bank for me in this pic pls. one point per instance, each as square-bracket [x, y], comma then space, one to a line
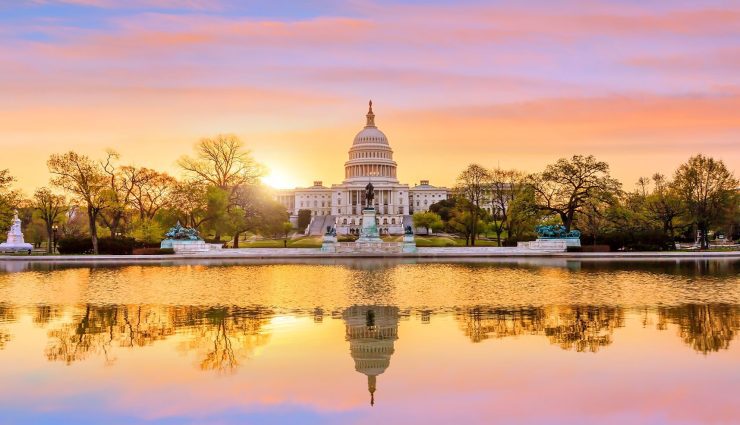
[315, 242]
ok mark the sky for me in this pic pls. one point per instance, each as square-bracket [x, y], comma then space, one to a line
[641, 84]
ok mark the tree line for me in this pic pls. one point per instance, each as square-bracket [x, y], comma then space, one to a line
[579, 193]
[219, 194]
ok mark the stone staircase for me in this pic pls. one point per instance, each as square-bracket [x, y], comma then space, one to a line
[319, 223]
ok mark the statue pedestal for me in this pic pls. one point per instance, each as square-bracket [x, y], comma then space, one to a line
[185, 246]
[329, 243]
[409, 243]
[369, 231]
[15, 242]
[550, 244]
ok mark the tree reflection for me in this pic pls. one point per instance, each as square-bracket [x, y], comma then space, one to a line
[43, 314]
[7, 315]
[90, 333]
[222, 335]
[579, 328]
[704, 327]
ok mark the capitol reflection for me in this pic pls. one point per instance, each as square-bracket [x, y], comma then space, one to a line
[371, 332]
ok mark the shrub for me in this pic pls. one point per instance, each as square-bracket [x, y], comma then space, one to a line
[109, 246]
[595, 248]
[574, 249]
[73, 245]
[153, 251]
[118, 246]
[638, 241]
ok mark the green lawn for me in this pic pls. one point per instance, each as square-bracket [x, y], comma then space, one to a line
[439, 241]
[303, 242]
[315, 242]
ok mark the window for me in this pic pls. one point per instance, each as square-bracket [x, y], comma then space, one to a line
[344, 221]
[393, 221]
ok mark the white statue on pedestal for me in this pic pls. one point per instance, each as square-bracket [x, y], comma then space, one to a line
[15, 240]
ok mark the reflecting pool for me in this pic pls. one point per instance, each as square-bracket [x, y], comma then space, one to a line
[371, 341]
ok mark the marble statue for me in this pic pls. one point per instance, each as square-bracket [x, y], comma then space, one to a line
[15, 242]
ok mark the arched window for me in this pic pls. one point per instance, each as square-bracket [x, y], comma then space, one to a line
[393, 221]
[344, 221]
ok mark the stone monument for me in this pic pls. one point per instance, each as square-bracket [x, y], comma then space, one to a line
[369, 232]
[15, 242]
[183, 240]
[329, 243]
[409, 244]
[553, 238]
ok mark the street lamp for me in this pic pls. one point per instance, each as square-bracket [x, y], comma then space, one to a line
[54, 229]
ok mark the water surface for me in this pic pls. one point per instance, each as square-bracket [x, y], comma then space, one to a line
[371, 341]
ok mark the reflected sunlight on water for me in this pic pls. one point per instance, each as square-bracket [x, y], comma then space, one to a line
[369, 341]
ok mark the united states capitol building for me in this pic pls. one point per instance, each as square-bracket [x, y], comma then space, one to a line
[370, 160]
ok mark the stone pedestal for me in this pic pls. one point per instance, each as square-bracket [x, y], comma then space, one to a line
[409, 244]
[185, 246]
[329, 243]
[550, 244]
[369, 231]
[15, 242]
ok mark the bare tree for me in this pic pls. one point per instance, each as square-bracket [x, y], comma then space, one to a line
[564, 187]
[472, 185]
[189, 202]
[505, 186]
[86, 180]
[50, 206]
[151, 190]
[643, 183]
[223, 162]
[119, 192]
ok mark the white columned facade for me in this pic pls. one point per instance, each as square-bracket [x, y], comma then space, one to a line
[370, 159]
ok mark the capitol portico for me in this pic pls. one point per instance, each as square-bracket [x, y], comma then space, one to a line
[370, 159]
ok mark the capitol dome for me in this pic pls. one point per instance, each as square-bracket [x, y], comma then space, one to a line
[370, 135]
[370, 157]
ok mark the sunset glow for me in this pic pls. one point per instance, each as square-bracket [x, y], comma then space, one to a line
[641, 85]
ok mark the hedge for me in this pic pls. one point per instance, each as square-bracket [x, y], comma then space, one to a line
[108, 246]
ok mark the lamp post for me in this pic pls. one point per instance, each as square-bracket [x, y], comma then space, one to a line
[54, 229]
